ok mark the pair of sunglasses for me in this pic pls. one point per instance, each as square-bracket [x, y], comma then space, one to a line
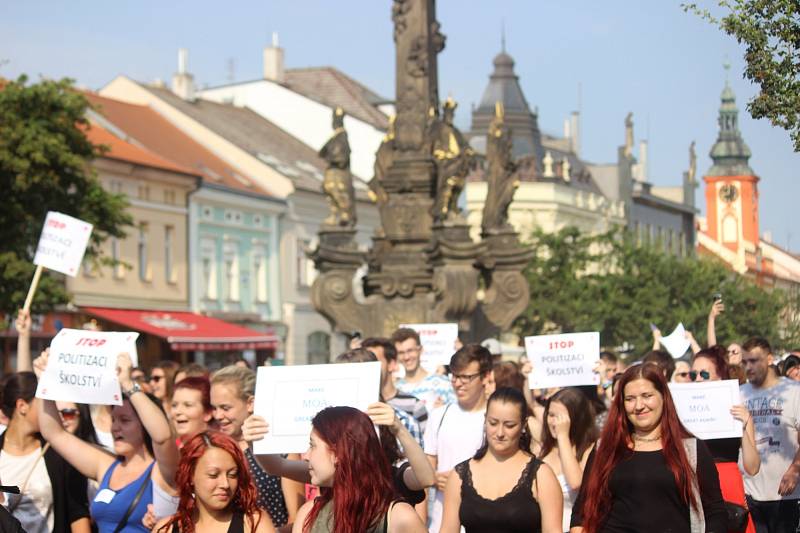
[69, 414]
[703, 374]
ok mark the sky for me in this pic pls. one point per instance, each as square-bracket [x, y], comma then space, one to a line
[649, 58]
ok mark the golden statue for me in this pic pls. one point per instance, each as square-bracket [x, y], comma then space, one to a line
[338, 182]
[454, 160]
[501, 174]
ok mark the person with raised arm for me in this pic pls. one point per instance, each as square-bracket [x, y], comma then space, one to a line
[143, 470]
[23, 325]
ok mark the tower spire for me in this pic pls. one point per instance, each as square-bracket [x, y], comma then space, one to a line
[503, 36]
[730, 153]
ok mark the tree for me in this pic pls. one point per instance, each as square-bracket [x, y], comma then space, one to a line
[607, 283]
[770, 32]
[45, 166]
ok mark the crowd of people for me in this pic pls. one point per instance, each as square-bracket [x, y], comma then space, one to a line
[468, 447]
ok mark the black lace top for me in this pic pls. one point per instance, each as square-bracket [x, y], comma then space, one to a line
[516, 511]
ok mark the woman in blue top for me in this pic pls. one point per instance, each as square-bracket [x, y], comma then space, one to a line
[143, 471]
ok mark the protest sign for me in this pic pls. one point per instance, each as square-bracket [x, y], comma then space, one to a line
[82, 366]
[705, 407]
[288, 397]
[61, 247]
[438, 343]
[676, 342]
[563, 360]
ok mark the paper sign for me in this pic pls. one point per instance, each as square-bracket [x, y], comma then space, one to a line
[705, 408]
[62, 243]
[288, 397]
[438, 343]
[676, 342]
[563, 360]
[82, 367]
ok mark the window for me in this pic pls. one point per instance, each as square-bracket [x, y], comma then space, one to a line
[169, 196]
[208, 254]
[304, 266]
[118, 269]
[231, 265]
[260, 270]
[144, 193]
[318, 348]
[144, 266]
[730, 230]
[169, 270]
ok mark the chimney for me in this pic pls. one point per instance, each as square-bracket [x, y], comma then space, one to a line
[273, 61]
[182, 81]
[575, 131]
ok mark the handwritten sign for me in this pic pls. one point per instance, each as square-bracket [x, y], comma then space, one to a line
[676, 342]
[705, 407]
[288, 397]
[82, 367]
[62, 243]
[563, 360]
[438, 343]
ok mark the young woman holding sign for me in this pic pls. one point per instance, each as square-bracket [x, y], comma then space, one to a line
[648, 473]
[143, 471]
[711, 365]
[216, 490]
[53, 494]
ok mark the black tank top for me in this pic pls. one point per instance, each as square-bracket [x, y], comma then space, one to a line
[516, 511]
[236, 525]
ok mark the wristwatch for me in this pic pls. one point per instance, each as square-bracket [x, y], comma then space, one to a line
[133, 390]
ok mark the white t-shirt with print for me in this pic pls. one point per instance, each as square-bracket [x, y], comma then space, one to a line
[776, 415]
[433, 390]
[35, 509]
[458, 438]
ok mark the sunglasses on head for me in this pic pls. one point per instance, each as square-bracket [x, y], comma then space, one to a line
[69, 414]
[703, 374]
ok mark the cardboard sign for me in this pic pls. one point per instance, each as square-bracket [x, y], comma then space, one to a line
[438, 343]
[288, 397]
[705, 407]
[676, 342]
[62, 243]
[563, 360]
[82, 367]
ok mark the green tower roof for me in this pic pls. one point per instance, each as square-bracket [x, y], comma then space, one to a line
[730, 153]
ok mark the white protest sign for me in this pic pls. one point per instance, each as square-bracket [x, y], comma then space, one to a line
[438, 343]
[676, 342]
[705, 408]
[82, 366]
[62, 243]
[563, 360]
[288, 397]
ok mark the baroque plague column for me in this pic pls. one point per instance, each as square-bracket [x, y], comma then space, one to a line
[423, 265]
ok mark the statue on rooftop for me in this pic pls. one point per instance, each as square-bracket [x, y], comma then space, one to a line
[338, 182]
[629, 135]
[501, 175]
[454, 160]
[692, 174]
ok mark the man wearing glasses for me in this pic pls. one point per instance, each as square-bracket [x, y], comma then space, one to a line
[434, 390]
[455, 431]
[773, 494]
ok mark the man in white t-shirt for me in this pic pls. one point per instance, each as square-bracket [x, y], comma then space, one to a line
[434, 390]
[455, 431]
[773, 494]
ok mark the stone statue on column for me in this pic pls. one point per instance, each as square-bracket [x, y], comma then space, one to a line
[454, 160]
[629, 135]
[501, 176]
[338, 181]
[692, 174]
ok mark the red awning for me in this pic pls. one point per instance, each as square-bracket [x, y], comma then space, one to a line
[187, 331]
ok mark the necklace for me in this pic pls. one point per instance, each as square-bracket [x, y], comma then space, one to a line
[646, 439]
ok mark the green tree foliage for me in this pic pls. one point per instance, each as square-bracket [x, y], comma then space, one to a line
[770, 33]
[45, 166]
[608, 284]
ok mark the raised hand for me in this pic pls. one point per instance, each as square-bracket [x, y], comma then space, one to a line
[254, 428]
[40, 363]
[383, 414]
[124, 365]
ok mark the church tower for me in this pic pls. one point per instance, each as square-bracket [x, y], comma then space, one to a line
[731, 185]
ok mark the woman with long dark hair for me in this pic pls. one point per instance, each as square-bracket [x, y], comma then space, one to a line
[346, 461]
[711, 364]
[503, 488]
[216, 490]
[77, 419]
[568, 439]
[648, 473]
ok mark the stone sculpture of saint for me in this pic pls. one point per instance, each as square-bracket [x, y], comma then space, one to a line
[454, 160]
[338, 182]
[384, 158]
[501, 176]
[629, 135]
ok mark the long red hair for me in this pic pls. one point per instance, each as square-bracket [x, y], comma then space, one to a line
[362, 483]
[616, 445]
[245, 498]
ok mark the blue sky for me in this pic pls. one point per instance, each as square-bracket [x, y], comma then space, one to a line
[650, 58]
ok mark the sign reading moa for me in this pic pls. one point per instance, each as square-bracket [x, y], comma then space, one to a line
[423, 265]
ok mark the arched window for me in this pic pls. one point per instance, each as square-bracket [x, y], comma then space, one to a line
[318, 348]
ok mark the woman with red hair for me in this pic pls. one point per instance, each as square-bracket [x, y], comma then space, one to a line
[215, 489]
[191, 407]
[648, 472]
[346, 461]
